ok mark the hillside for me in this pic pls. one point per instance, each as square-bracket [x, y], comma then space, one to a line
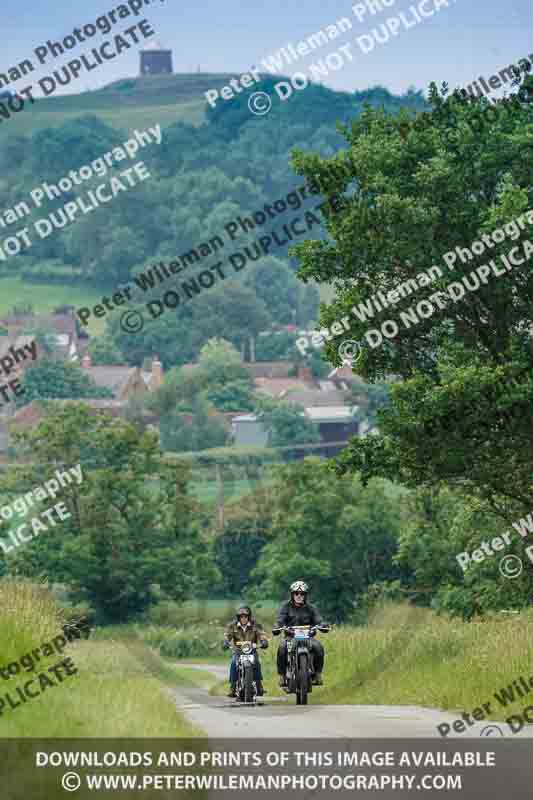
[135, 102]
[125, 104]
[210, 166]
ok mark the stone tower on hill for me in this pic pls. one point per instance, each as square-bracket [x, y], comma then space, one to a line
[155, 60]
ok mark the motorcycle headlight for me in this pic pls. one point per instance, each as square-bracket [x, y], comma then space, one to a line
[247, 648]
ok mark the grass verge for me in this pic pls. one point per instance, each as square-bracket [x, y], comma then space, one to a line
[117, 691]
[411, 656]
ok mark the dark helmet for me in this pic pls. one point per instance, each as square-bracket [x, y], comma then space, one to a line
[244, 610]
[299, 586]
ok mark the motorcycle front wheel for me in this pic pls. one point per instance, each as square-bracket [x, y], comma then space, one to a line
[248, 684]
[302, 680]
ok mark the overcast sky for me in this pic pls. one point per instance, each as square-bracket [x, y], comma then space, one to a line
[470, 38]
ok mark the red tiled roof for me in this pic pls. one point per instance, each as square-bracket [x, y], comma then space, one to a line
[34, 411]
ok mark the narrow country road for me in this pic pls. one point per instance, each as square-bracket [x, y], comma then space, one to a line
[221, 717]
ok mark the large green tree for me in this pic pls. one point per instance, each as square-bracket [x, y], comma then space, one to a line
[180, 434]
[330, 531]
[286, 423]
[440, 524]
[132, 530]
[231, 311]
[276, 285]
[237, 551]
[228, 383]
[219, 382]
[413, 190]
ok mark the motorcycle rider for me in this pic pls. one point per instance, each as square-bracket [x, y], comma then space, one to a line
[297, 611]
[244, 628]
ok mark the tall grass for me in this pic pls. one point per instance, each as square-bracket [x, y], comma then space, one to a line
[117, 691]
[411, 656]
[189, 631]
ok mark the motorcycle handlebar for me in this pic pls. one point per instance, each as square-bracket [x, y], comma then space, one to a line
[289, 629]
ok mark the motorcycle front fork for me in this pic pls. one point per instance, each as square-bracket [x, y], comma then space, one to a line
[292, 667]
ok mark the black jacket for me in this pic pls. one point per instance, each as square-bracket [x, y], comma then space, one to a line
[290, 615]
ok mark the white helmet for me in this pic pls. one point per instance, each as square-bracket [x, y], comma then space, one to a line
[299, 586]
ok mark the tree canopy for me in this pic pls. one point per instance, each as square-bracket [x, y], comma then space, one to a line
[47, 379]
[413, 190]
[132, 531]
[336, 534]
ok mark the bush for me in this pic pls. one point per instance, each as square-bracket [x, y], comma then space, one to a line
[168, 613]
[185, 644]
[236, 553]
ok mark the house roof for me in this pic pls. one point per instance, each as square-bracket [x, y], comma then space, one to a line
[34, 411]
[114, 377]
[245, 418]
[278, 387]
[63, 326]
[230, 415]
[269, 369]
[330, 413]
[314, 397]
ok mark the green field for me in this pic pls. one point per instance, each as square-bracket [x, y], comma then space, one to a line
[45, 297]
[126, 104]
[124, 119]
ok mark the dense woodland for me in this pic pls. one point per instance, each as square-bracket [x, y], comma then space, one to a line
[203, 177]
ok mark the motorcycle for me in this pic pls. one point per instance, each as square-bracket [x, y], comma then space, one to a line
[246, 689]
[300, 668]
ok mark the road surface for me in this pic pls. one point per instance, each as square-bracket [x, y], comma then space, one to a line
[221, 717]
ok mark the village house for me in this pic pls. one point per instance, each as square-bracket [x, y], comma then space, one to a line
[60, 324]
[124, 382]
